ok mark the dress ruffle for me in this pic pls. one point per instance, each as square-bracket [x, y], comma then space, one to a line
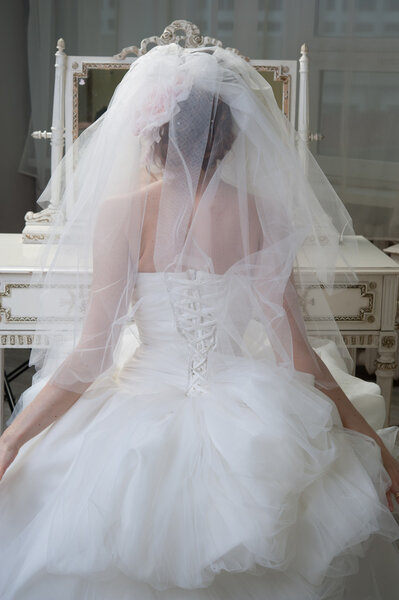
[251, 489]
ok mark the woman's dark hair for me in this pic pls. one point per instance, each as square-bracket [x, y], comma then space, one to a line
[189, 124]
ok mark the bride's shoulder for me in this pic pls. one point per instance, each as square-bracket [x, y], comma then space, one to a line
[122, 202]
[140, 192]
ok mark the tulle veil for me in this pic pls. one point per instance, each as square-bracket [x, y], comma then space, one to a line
[193, 172]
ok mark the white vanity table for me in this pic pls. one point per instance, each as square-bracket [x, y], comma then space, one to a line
[365, 311]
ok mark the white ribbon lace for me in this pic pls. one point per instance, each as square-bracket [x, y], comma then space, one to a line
[192, 300]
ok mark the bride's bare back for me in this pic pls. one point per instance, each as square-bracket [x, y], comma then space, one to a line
[216, 226]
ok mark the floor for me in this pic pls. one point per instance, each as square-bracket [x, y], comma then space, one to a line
[12, 360]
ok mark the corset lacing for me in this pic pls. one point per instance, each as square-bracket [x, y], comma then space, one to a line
[192, 302]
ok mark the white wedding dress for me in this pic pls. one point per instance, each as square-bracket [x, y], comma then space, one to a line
[176, 479]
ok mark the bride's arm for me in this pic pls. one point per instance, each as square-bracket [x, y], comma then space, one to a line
[49, 404]
[307, 360]
[79, 369]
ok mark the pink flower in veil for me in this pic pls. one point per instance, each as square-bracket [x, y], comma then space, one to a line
[159, 101]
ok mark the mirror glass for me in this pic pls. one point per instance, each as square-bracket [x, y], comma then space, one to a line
[94, 91]
[277, 86]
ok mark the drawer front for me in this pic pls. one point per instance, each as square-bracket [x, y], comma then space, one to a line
[20, 302]
[354, 306]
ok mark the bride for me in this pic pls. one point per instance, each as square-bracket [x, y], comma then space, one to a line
[215, 457]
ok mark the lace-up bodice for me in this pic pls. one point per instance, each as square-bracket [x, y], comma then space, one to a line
[179, 309]
[194, 304]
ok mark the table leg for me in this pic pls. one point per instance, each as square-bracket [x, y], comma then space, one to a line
[385, 371]
[353, 353]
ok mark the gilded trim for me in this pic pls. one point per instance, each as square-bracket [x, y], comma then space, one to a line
[363, 314]
[361, 340]
[388, 341]
[6, 312]
[285, 79]
[189, 34]
[83, 74]
[385, 366]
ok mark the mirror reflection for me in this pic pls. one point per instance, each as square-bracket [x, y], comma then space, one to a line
[277, 86]
[95, 91]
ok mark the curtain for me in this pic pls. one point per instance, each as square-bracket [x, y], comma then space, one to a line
[354, 77]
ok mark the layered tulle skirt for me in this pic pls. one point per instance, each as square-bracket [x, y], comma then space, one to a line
[249, 490]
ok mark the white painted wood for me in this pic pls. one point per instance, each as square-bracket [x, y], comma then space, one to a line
[353, 353]
[393, 252]
[359, 303]
[41, 135]
[389, 304]
[36, 224]
[57, 127]
[303, 100]
[303, 106]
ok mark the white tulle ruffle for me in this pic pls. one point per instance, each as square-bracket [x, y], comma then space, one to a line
[252, 489]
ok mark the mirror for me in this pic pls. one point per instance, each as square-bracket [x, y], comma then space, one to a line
[280, 86]
[93, 89]
[95, 84]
